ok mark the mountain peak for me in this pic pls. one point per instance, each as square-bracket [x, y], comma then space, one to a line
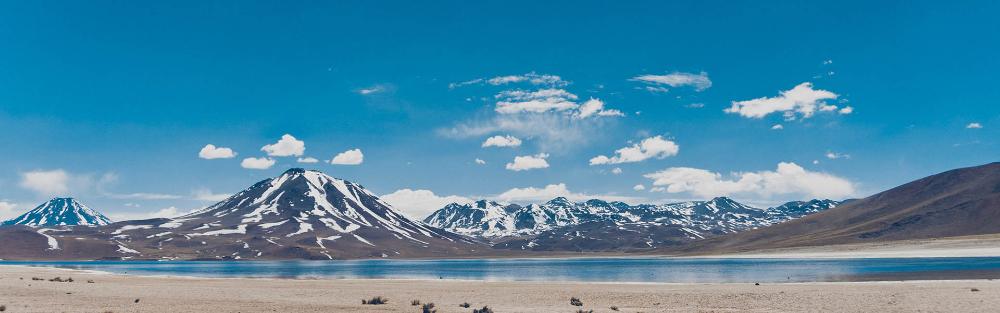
[295, 170]
[60, 212]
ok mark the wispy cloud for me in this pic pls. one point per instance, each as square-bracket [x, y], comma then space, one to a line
[699, 81]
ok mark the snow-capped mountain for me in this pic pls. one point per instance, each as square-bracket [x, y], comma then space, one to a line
[60, 212]
[301, 213]
[554, 224]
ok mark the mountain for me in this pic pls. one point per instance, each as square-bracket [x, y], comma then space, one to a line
[597, 225]
[959, 202]
[60, 212]
[298, 215]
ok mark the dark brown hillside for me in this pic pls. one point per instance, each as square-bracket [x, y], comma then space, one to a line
[959, 202]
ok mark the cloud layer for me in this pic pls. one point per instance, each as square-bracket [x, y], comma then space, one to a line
[787, 179]
[420, 203]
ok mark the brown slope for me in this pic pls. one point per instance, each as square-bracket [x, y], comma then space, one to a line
[959, 202]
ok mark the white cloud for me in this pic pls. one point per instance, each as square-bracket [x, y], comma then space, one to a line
[699, 81]
[639, 187]
[974, 126]
[827, 62]
[535, 105]
[532, 194]
[695, 106]
[142, 196]
[112, 178]
[655, 89]
[835, 155]
[46, 183]
[257, 163]
[420, 203]
[307, 160]
[528, 162]
[533, 78]
[846, 110]
[168, 212]
[205, 194]
[349, 157]
[777, 127]
[480, 161]
[210, 151]
[802, 100]
[788, 179]
[465, 83]
[596, 107]
[8, 211]
[616, 170]
[652, 147]
[286, 146]
[502, 141]
[551, 131]
[372, 90]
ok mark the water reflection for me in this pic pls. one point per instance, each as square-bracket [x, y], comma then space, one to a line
[589, 269]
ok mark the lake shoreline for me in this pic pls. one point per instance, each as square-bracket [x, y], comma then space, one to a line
[120, 293]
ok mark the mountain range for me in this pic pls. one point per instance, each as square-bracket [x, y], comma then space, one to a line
[304, 214]
[597, 225]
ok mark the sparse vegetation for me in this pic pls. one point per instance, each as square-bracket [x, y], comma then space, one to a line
[3, 308]
[90, 281]
[137, 300]
[614, 308]
[37, 278]
[575, 301]
[465, 305]
[414, 302]
[975, 289]
[485, 309]
[582, 311]
[428, 308]
[375, 301]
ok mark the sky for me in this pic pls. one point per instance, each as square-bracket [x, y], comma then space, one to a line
[154, 109]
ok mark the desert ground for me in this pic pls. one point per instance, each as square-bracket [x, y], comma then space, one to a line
[121, 293]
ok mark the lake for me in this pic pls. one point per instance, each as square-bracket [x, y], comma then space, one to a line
[663, 270]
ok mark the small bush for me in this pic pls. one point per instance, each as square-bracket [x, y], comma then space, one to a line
[90, 281]
[614, 308]
[3, 308]
[428, 308]
[414, 302]
[375, 301]
[136, 300]
[485, 309]
[575, 301]
[582, 311]
[465, 305]
[975, 289]
[36, 278]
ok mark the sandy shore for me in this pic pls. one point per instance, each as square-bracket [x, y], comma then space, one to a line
[966, 246]
[117, 293]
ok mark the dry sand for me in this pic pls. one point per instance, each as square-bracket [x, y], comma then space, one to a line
[965, 246]
[118, 293]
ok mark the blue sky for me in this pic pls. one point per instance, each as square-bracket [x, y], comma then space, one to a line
[111, 102]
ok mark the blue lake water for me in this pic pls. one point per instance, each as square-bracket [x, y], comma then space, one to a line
[569, 269]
